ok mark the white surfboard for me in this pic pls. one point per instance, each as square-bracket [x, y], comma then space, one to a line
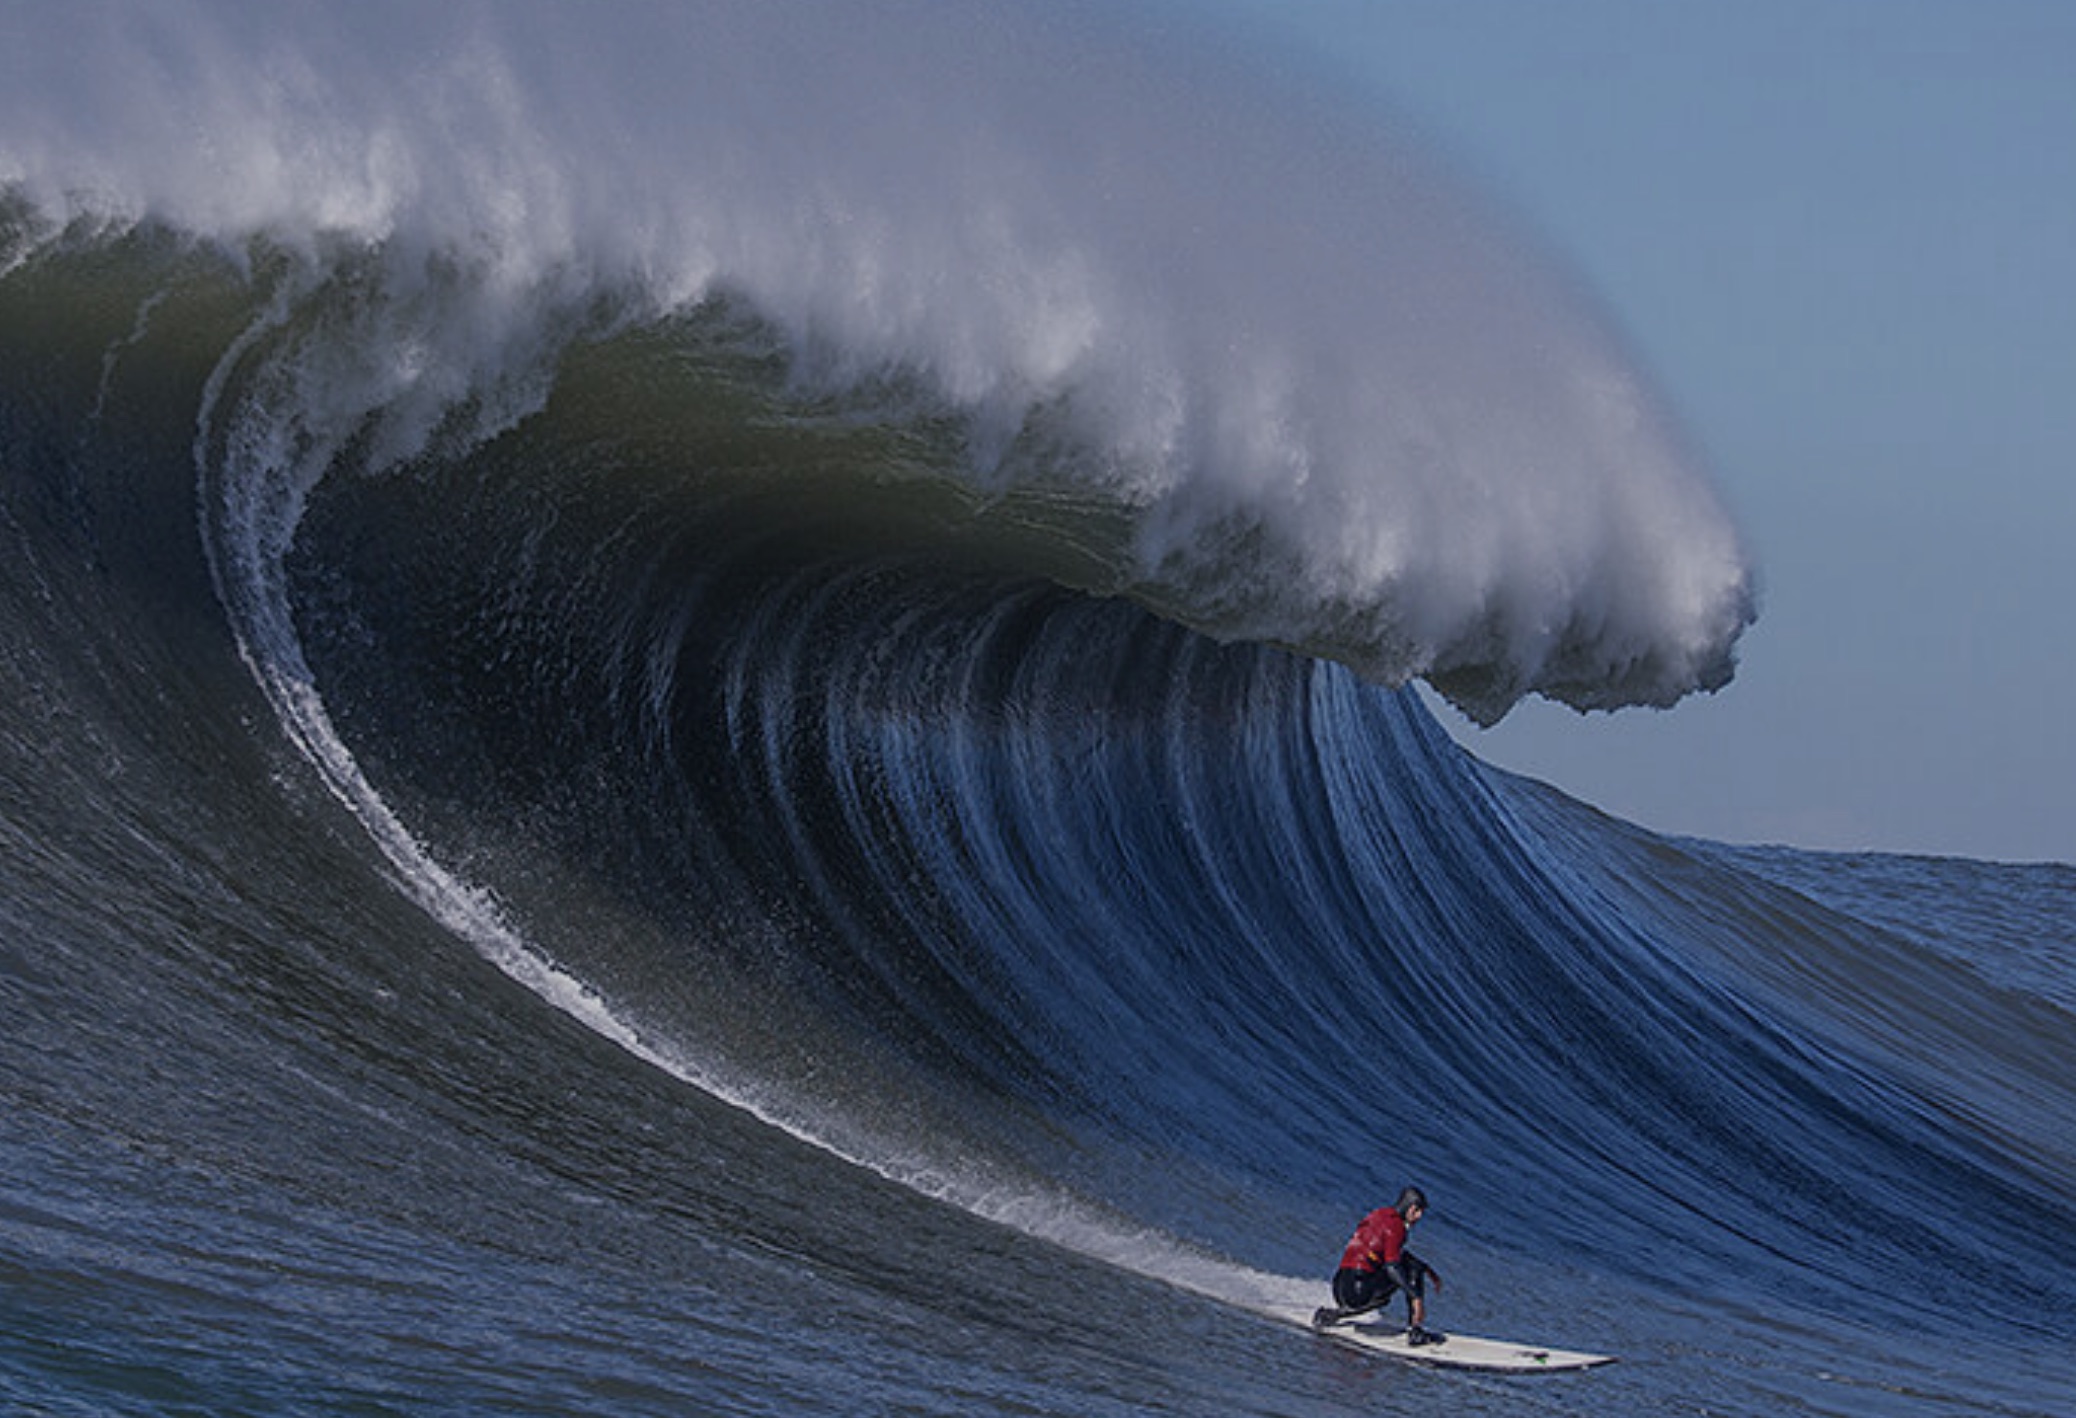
[1456, 1351]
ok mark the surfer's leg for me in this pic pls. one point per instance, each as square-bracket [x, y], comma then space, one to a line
[1356, 1293]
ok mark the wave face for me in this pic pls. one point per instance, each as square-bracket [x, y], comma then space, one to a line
[698, 711]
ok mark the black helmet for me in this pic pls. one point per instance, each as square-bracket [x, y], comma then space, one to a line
[1409, 1198]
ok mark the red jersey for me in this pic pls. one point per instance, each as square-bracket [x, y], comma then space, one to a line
[1378, 1241]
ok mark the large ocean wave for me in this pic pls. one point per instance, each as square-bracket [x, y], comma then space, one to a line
[865, 563]
[1323, 398]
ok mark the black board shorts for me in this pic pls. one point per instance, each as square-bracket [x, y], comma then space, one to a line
[1365, 1289]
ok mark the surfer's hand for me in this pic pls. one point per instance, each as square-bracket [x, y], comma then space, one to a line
[1435, 1277]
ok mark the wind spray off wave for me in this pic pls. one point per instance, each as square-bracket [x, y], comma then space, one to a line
[1318, 395]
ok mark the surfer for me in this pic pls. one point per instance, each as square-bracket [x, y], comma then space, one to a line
[1376, 1265]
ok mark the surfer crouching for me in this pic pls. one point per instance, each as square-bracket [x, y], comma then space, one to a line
[1376, 1265]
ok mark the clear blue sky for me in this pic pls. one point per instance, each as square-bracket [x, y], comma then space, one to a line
[1841, 235]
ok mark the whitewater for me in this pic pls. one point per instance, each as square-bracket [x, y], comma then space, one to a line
[706, 708]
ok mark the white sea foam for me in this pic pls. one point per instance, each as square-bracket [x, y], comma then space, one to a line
[1350, 410]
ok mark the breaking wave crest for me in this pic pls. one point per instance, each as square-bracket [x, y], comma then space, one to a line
[1180, 336]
